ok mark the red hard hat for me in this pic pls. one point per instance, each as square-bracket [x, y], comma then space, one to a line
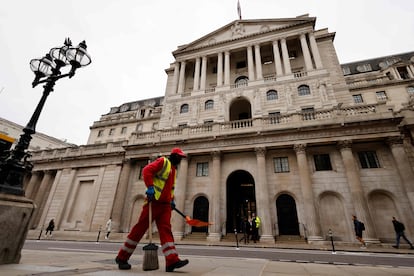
[179, 152]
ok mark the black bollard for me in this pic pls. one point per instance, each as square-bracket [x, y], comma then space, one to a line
[332, 242]
[99, 233]
[41, 230]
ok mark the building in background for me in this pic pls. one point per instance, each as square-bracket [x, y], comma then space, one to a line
[40, 141]
[272, 123]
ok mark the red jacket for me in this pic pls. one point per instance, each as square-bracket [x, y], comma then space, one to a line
[149, 173]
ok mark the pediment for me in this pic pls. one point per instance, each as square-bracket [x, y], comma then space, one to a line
[239, 29]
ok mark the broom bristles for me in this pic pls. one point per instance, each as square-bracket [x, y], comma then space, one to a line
[150, 261]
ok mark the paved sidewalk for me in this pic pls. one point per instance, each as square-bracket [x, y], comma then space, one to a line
[43, 263]
[56, 263]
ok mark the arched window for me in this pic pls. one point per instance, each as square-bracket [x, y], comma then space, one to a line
[271, 95]
[209, 104]
[184, 108]
[241, 81]
[303, 90]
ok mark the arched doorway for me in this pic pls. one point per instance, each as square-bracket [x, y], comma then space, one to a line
[241, 199]
[200, 212]
[287, 216]
[240, 109]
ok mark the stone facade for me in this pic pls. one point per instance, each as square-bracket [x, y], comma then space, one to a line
[272, 124]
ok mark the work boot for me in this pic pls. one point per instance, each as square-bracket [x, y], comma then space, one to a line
[123, 265]
[178, 264]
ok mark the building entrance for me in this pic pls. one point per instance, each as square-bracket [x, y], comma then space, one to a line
[241, 199]
[200, 212]
[287, 216]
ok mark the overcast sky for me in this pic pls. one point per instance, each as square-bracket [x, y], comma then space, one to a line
[130, 42]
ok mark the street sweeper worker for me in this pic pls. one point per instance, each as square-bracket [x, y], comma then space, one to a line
[159, 177]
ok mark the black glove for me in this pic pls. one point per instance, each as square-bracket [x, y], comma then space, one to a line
[150, 193]
[172, 204]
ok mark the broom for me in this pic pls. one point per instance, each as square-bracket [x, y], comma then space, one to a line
[192, 222]
[150, 250]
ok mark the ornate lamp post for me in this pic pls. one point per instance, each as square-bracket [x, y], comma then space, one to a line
[15, 165]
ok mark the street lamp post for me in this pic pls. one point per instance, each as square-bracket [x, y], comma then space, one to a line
[15, 164]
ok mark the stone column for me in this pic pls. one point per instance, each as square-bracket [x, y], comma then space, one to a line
[181, 81]
[306, 53]
[403, 166]
[176, 77]
[226, 68]
[31, 189]
[262, 196]
[40, 198]
[180, 192]
[196, 75]
[203, 73]
[311, 217]
[219, 69]
[278, 62]
[285, 56]
[214, 206]
[120, 196]
[258, 59]
[315, 51]
[250, 64]
[357, 194]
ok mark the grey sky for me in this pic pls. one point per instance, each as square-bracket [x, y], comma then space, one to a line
[130, 42]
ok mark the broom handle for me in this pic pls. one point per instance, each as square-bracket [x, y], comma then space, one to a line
[178, 211]
[150, 222]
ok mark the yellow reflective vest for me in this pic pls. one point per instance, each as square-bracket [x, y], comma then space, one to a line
[257, 220]
[160, 178]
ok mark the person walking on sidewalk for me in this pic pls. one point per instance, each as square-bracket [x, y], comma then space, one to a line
[359, 228]
[108, 228]
[159, 178]
[50, 228]
[399, 231]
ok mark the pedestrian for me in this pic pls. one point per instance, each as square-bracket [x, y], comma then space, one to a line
[50, 228]
[159, 178]
[399, 228]
[255, 227]
[359, 228]
[245, 227]
[108, 228]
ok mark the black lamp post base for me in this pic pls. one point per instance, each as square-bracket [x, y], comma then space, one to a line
[11, 178]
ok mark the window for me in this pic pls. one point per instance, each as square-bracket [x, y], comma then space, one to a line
[358, 98]
[303, 90]
[241, 64]
[111, 131]
[139, 128]
[368, 159]
[142, 113]
[271, 95]
[184, 108]
[123, 130]
[322, 162]
[403, 72]
[346, 70]
[274, 117]
[308, 113]
[281, 164]
[293, 54]
[241, 81]
[154, 126]
[410, 90]
[209, 104]
[381, 96]
[202, 169]
[100, 133]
